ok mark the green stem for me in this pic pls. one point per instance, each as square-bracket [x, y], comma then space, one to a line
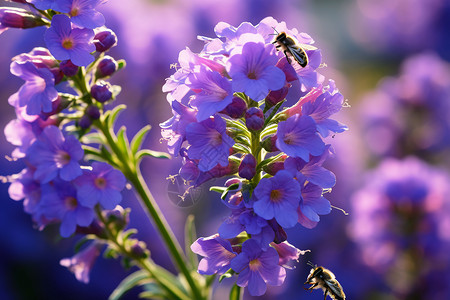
[142, 263]
[134, 176]
[256, 152]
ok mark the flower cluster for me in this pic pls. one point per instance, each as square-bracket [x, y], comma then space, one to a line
[409, 113]
[55, 108]
[400, 221]
[229, 120]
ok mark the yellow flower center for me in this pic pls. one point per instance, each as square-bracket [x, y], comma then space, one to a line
[254, 264]
[275, 195]
[67, 43]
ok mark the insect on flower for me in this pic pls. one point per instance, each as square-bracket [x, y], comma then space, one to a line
[319, 277]
[289, 45]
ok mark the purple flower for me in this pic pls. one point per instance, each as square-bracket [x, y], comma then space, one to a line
[297, 137]
[23, 186]
[174, 129]
[213, 93]
[43, 4]
[53, 153]
[328, 103]
[254, 119]
[253, 70]
[67, 43]
[217, 254]
[313, 203]
[19, 133]
[242, 220]
[312, 170]
[278, 197]
[101, 185]
[257, 268]
[209, 143]
[38, 92]
[82, 12]
[104, 39]
[81, 263]
[59, 202]
[287, 253]
[402, 205]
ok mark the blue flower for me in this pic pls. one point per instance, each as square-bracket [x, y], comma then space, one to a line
[174, 129]
[213, 93]
[38, 92]
[66, 43]
[322, 107]
[101, 185]
[297, 137]
[312, 170]
[257, 268]
[253, 70]
[52, 154]
[313, 203]
[81, 263]
[278, 197]
[209, 143]
[42, 4]
[59, 203]
[217, 254]
[82, 12]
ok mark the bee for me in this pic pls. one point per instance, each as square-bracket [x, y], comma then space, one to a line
[289, 46]
[319, 277]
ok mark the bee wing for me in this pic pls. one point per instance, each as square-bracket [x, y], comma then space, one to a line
[299, 55]
[336, 288]
[308, 47]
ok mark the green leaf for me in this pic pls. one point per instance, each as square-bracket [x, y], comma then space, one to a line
[135, 279]
[218, 189]
[190, 235]
[273, 112]
[235, 293]
[147, 152]
[122, 139]
[139, 138]
[112, 116]
[92, 138]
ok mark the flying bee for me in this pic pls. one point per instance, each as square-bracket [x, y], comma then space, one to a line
[319, 277]
[289, 46]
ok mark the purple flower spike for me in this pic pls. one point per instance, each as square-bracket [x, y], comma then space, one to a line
[81, 263]
[67, 43]
[253, 71]
[257, 268]
[217, 254]
[101, 185]
[214, 93]
[209, 143]
[297, 137]
[54, 154]
[38, 92]
[82, 12]
[278, 197]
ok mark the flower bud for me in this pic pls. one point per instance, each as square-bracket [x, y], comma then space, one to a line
[273, 167]
[277, 96]
[106, 67]
[101, 91]
[85, 122]
[247, 168]
[11, 17]
[93, 112]
[68, 68]
[269, 144]
[254, 119]
[104, 40]
[118, 216]
[139, 250]
[57, 74]
[236, 108]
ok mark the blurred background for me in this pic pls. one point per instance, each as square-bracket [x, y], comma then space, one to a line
[389, 58]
